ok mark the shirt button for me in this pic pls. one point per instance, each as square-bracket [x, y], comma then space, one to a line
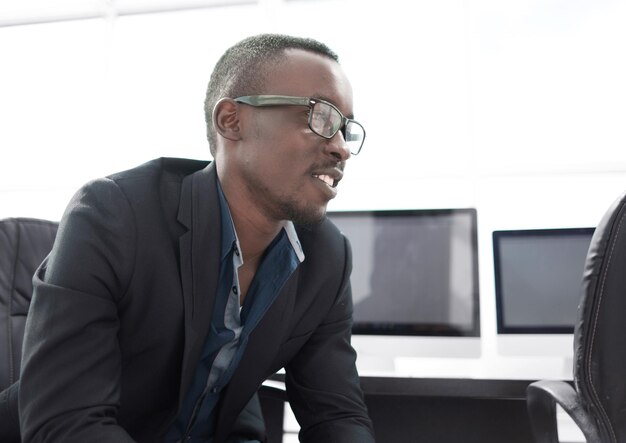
[215, 390]
[235, 290]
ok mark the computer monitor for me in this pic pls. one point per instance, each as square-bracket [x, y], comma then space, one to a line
[414, 282]
[538, 275]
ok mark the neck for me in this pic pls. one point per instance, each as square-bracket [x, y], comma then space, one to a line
[254, 234]
[255, 230]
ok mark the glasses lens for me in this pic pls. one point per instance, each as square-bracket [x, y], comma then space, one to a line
[354, 135]
[325, 120]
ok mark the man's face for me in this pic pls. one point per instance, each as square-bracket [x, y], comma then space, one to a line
[291, 172]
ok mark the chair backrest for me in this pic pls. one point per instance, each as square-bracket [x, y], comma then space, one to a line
[24, 243]
[600, 334]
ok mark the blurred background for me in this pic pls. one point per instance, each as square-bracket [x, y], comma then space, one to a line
[515, 108]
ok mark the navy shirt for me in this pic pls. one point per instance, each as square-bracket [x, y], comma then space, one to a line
[231, 325]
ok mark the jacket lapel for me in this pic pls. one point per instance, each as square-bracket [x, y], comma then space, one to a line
[200, 248]
[261, 350]
[199, 263]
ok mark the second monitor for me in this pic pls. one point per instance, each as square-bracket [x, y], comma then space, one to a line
[538, 275]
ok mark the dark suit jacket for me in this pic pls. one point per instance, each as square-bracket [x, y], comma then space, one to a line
[121, 309]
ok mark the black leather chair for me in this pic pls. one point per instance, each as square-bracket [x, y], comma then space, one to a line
[24, 243]
[597, 399]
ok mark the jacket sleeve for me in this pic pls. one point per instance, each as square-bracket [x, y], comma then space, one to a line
[71, 364]
[322, 381]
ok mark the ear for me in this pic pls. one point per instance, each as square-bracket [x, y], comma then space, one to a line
[226, 119]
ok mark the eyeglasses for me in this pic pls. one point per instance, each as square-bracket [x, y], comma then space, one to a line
[324, 118]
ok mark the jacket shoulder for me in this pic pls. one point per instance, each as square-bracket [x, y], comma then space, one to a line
[164, 167]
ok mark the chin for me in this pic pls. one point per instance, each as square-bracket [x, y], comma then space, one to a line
[304, 215]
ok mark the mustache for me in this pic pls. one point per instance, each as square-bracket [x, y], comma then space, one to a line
[328, 165]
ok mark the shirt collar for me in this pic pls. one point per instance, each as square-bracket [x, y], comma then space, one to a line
[292, 235]
[229, 235]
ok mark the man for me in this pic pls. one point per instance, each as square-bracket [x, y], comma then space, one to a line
[176, 288]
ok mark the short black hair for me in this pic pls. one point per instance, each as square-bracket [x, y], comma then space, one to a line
[243, 68]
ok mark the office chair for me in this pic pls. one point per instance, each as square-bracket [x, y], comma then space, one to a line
[24, 243]
[597, 399]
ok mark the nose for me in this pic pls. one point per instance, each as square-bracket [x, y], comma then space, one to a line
[338, 148]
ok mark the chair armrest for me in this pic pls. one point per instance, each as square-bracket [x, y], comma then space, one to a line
[541, 399]
[273, 397]
[273, 389]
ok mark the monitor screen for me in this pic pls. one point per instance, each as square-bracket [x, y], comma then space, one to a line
[538, 275]
[415, 272]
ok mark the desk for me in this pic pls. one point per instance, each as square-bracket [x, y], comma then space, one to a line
[447, 410]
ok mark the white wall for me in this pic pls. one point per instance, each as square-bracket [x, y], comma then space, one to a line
[516, 108]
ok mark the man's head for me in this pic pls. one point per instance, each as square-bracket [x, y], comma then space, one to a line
[280, 140]
[244, 67]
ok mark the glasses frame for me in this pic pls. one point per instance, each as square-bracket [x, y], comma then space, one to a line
[288, 100]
